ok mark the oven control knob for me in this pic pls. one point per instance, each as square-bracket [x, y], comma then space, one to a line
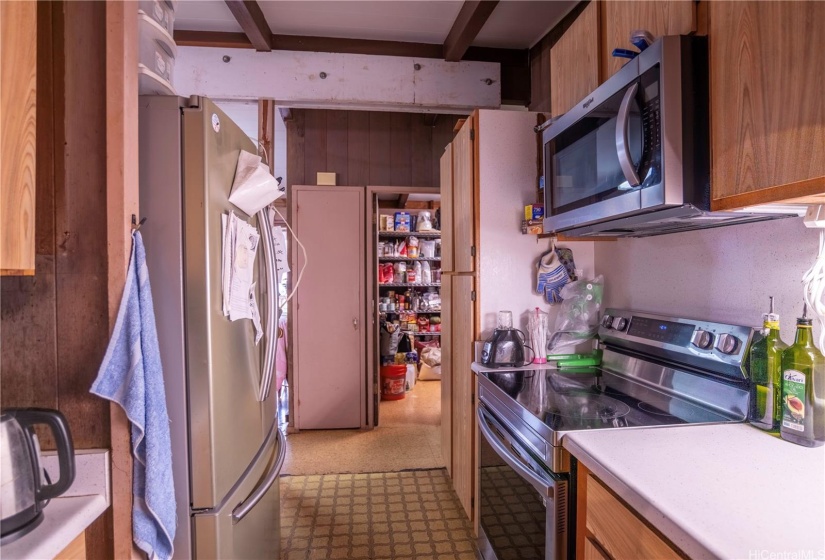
[607, 321]
[728, 344]
[620, 324]
[702, 339]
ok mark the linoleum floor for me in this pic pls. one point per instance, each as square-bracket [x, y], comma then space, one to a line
[408, 436]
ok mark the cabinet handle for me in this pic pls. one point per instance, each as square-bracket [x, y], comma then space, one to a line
[355, 324]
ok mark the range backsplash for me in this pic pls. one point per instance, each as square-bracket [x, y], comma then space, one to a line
[723, 274]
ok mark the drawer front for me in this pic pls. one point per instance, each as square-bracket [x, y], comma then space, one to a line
[618, 530]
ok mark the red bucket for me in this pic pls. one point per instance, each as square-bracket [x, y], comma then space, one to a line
[393, 381]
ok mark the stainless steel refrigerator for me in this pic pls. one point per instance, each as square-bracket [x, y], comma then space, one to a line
[227, 450]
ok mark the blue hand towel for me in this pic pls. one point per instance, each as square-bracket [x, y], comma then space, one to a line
[132, 376]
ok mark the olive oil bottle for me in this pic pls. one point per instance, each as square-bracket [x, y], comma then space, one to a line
[803, 388]
[766, 375]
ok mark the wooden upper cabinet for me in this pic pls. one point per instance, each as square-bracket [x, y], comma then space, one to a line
[447, 209]
[621, 18]
[574, 62]
[767, 75]
[18, 89]
[463, 198]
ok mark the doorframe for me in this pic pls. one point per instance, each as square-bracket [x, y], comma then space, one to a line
[372, 384]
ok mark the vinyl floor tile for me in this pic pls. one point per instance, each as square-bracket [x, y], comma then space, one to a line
[406, 524]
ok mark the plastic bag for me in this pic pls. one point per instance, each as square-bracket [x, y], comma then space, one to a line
[578, 317]
[254, 186]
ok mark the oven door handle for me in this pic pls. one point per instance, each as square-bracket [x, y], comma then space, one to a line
[623, 138]
[544, 487]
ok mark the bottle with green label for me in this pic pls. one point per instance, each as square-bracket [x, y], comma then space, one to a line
[803, 388]
[766, 375]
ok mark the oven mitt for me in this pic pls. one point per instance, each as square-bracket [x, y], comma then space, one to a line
[551, 277]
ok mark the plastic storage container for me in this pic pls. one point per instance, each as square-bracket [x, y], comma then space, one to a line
[161, 12]
[156, 56]
[393, 381]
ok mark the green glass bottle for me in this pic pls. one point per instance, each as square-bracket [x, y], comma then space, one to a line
[803, 388]
[766, 375]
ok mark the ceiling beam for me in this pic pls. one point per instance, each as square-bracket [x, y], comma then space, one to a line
[515, 63]
[468, 23]
[252, 21]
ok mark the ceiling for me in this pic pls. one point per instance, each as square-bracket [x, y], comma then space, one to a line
[514, 24]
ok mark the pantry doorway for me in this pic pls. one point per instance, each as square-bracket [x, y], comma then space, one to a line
[404, 280]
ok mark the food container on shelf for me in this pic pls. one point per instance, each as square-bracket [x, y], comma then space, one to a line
[160, 11]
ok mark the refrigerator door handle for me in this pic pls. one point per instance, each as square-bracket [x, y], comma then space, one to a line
[252, 500]
[271, 330]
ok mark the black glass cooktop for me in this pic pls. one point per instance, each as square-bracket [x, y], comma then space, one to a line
[588, 398]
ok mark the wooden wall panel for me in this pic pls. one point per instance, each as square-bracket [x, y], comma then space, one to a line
[400, 149]
[18, 100]
[367, 147]
[358, 150]
[421, 153]
[295, 149]
[315, 145]
[337, 146]
[447, 262]
[463, 197]
[380, 137]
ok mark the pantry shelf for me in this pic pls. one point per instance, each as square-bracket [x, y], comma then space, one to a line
[422, 333]
[397, 312]
[405, 259]
[408, 285]
[409, 234]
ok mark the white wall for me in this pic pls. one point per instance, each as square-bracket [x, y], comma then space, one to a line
[724, 274]
[507, 172]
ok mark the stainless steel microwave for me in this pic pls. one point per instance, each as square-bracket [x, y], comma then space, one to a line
[632, 159]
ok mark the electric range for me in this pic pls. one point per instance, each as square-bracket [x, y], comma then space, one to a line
[656, 371]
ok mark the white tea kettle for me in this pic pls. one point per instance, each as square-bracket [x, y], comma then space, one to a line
[23, 495]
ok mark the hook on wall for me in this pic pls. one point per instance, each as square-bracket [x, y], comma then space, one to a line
[135, 224]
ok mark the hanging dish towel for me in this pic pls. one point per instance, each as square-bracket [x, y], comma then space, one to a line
[131, 375]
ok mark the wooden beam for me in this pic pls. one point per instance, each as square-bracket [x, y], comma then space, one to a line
[266, 132]
[252, 21]
[468, 23]
[216, 39]
[402, 200]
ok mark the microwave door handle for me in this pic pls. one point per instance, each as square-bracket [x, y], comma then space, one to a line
[623, 140]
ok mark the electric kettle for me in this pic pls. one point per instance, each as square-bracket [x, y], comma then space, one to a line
[23, 493]
[506, 347]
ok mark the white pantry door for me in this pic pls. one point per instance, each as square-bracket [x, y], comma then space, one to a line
[329, 330]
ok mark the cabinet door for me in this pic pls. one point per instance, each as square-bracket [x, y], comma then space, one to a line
[574, 62]
[592, 550]
[447, 210]
[462, 389]
[330, 342]
[617, 528]
[621, 18]
[767, 107]
[446, 370]
[463, 198]
[18, 96]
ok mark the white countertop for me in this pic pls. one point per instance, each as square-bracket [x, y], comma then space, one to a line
[64, 518]
[716, 491]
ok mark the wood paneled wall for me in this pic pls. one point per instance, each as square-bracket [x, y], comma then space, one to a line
[54, 325]
[367, 147]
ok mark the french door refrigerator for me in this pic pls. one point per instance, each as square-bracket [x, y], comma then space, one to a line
[227, 450]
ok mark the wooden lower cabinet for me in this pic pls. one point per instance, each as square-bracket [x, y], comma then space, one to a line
[75, 550]
[608, 529]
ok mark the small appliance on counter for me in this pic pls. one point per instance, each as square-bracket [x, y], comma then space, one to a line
[506, 347]
[23, 493]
